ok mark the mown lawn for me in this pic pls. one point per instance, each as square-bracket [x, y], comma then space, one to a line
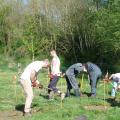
[12, 98]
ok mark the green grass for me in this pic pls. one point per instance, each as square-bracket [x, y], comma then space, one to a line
[11, 96]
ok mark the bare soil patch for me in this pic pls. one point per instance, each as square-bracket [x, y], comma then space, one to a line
[97, 107]
[11, 115]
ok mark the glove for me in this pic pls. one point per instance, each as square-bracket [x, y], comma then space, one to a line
[34, 84]
[37, 84]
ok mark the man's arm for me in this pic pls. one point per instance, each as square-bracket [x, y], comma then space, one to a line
[34, 81]
[33, 76]
[79, 68]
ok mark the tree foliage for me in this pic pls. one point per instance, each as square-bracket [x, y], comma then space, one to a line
[80, 30]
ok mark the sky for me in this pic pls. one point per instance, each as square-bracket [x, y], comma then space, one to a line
[25, 1]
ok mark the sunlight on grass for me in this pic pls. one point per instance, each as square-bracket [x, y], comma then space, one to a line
[11, 95]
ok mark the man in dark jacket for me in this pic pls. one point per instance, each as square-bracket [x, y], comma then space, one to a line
[70, 75]
[94, 75]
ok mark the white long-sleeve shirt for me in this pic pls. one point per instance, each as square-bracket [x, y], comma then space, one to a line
[55, 66]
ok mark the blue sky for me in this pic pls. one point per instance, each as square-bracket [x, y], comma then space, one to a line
[25, 1]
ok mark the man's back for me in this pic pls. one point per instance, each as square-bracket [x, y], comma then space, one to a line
[55, 65]
[36, 65]
[93, 68]
[74, 69]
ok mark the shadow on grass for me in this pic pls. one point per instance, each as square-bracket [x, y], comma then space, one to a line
[113, 102]
[44, 96]
[86, 93]
[20, 107]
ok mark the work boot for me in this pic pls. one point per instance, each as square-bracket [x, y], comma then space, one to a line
[77, 93]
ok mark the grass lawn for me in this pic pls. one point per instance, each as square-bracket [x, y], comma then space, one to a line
[12, 100]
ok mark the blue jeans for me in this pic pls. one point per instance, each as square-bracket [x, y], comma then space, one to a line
[94, 77]
[53, 83]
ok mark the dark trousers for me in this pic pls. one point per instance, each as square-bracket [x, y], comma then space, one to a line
[52, 84]
[93, 82]
[72, 83]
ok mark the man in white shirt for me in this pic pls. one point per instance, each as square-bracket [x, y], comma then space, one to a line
[55, 74]
[28, 77]
[116, 83]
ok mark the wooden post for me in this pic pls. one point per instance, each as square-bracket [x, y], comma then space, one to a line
[61, 105]
[14, 84]
[104, 95]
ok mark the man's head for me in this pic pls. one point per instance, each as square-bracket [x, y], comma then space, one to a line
[53, 53]
[46, 63]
